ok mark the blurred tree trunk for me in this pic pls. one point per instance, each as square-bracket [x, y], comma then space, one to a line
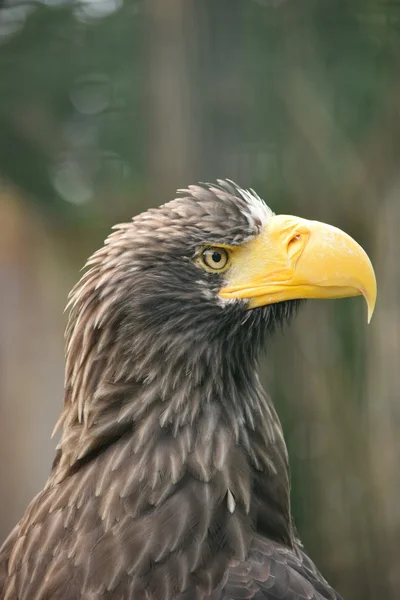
[31, 355]
[172, 131]
[198, 96]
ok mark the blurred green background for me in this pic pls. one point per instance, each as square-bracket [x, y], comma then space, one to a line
[108, 106]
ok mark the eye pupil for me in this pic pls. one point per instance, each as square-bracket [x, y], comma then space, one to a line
[216, 257]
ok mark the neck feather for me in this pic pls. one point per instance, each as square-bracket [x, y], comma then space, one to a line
[167, 422]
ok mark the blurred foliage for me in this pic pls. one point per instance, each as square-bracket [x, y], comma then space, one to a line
[74, 90]
[70, 97]
[107, 106]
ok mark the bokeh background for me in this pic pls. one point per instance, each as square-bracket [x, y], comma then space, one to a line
[108, 106]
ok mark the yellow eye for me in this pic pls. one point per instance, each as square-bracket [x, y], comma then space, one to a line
[215, 258]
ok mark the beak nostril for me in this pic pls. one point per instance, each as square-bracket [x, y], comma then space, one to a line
[294, 239]
[295, 246]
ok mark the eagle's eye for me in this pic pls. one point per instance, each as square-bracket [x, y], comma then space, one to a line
[215, 258]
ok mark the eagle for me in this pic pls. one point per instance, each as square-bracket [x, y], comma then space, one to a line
[171, 478]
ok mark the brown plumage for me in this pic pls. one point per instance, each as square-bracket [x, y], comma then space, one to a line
[171, 477]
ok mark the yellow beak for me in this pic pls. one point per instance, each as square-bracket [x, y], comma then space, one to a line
[295, 258]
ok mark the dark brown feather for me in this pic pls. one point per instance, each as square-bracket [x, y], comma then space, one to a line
[171, 478]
